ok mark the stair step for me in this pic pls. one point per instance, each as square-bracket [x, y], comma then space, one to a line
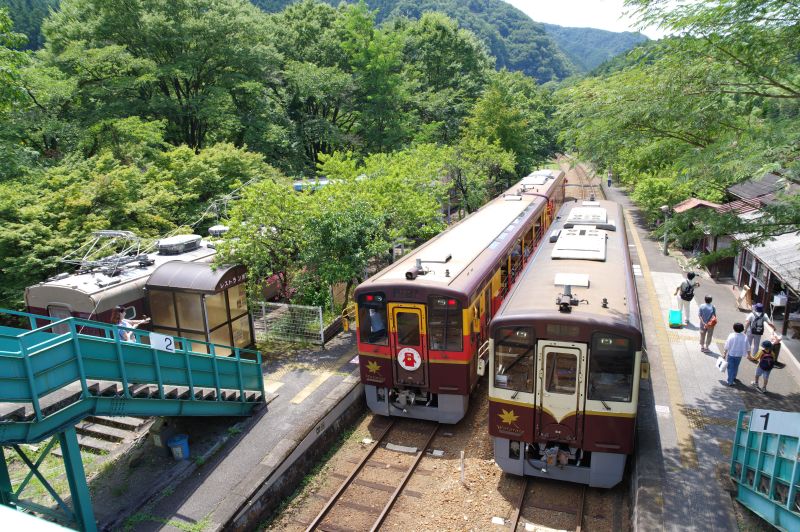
[105, 388]
[122, 422]
[103, 432]
[92, 445]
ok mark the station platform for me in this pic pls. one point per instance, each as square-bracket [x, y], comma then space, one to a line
[687, 416]
[310, 394]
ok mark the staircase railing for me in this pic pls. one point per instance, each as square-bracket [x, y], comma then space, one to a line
[37, 362]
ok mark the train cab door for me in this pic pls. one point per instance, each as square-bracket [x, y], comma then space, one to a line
[408, 344]
[561, 376]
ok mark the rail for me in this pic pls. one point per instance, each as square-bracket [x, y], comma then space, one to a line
[316, 524]
[526, 487]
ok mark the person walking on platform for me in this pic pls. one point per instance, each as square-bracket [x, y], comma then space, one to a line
[708, 320]
[735, 348]
[766, 361]
[686, 291]
[754, 327]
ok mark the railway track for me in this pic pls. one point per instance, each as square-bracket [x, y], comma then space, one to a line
[588, 184]
[354, 502]
[528, 495]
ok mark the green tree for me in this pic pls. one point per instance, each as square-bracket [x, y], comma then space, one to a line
[450, 68]
[182, 61]
[516, 114]
[342, 238]
[266, 233]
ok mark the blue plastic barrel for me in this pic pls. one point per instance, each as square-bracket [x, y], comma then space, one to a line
[179, 445]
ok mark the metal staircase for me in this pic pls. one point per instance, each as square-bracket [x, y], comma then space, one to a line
[53, 376]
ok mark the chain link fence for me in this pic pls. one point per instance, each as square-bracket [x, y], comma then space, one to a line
[291, 323]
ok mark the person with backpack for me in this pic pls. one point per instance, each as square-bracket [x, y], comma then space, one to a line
[686, 294]
[708, 320]
[754, 327]
[766, 361]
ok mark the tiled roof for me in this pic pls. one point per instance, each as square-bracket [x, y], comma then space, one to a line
[782, 256]
[693, 203]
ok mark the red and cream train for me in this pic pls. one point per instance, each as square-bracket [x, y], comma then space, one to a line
[565, 354]
[422, 323]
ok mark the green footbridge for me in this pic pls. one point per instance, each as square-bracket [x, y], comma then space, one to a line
[53, 376]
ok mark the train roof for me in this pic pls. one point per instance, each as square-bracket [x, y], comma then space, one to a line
[586, 249]
[72, 289]
[449, 258]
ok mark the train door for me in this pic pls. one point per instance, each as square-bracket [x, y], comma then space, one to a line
[408, 337]
[561, 374]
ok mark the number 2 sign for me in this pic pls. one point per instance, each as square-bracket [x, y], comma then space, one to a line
[162, 342]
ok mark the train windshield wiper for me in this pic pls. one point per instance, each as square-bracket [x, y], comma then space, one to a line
[605, 405]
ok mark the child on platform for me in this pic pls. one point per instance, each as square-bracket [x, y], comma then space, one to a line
[766, 361]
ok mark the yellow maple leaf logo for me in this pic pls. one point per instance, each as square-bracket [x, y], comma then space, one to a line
[373, 367]
[508, 417]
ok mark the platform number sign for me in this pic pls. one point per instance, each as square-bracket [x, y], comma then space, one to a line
[775, 422]
[409, 359]
[162, 342]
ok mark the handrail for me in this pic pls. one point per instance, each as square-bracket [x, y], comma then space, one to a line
[50, 364]
[106, 327]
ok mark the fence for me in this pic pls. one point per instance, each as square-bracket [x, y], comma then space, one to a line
[292, 323]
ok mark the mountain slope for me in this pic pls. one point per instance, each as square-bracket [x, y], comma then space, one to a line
[516, 41]
[588, 48]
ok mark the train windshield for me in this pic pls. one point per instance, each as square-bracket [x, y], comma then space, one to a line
[611, 367]
[372, 319]
[513, 359]
[444, 324]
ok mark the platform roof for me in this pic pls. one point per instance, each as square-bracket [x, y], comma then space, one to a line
[182, 276]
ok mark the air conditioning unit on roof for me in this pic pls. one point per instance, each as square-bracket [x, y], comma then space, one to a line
[175, 245]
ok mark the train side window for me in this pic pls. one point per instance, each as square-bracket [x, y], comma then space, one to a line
[514, 359]
[445, 332]
[372, 319]
[611, 364]
[561, 372]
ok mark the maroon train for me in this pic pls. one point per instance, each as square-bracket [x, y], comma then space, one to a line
[565, 354]
[423, 322]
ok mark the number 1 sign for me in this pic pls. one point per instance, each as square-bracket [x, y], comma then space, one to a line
[775, 422]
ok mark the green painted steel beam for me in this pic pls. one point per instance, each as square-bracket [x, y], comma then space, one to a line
[7, 495]
[33, 431]
[78, 489]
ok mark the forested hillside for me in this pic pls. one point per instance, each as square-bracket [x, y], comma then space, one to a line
[588, 48]
[27, 16]
[517, 42]
[153, 116]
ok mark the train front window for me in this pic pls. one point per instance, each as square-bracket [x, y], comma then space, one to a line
[514, 359]
[561, 372]
[372, 319]
[407, 328]
[611, 365]
[444, 324]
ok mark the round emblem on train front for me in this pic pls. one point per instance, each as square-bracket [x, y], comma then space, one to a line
[409, 358]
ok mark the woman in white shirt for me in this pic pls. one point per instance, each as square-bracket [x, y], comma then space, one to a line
[735, 348]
